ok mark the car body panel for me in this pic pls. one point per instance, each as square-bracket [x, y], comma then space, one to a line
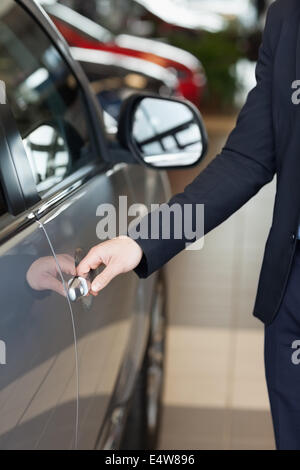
[61, 355]
[38, 384]
[104, 324]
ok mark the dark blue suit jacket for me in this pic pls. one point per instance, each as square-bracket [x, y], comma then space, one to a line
[265, 142]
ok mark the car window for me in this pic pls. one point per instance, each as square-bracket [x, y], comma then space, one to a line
[45, 98]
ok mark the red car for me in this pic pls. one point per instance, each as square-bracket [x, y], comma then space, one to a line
[80, 31]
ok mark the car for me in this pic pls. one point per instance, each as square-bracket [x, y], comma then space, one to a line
[83, 32]
[77, 371]
[114, 76]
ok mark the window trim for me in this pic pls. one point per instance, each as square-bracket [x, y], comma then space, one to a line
[15, 173]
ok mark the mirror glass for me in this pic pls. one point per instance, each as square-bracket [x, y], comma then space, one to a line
[167, 133]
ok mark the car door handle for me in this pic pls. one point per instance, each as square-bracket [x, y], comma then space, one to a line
[78, 287]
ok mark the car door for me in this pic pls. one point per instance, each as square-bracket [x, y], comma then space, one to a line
[38, 394]
[103, 324]
[38, 371]
[72, 180]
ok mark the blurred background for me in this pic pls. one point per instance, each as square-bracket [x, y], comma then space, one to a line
[205, 51]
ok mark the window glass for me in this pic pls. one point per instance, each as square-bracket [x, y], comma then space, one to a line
[45, 98]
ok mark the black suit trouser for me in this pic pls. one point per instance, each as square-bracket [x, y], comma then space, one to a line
[282, 363]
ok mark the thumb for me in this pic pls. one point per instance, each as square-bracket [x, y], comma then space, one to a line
[103, 279]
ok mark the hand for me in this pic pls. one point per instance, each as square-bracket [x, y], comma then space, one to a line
[43, 274]
[119, 255]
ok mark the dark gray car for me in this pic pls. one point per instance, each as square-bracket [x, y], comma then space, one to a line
[84, 373]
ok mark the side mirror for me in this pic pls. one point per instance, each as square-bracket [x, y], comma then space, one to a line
[161, 132]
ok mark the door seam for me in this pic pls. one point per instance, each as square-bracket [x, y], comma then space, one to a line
[40, 224]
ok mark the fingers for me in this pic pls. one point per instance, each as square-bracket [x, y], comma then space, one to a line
[91, 261]
[103, 279]
[119, 255]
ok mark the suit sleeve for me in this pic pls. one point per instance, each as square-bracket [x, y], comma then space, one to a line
[245, 165]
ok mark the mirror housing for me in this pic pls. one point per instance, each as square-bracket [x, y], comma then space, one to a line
[162, 133]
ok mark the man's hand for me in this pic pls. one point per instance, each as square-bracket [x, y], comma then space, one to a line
[119, 255]
[43, 273]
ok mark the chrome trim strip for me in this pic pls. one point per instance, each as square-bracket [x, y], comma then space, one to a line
[40, 210]
[53, 201]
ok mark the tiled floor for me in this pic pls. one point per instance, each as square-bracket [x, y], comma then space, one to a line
[215, 395]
